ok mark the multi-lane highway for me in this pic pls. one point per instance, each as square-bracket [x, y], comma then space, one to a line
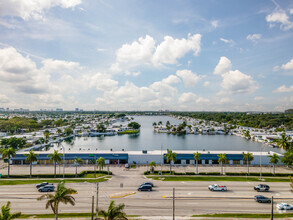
[191, 197]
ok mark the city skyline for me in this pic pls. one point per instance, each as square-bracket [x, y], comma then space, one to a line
[146, 55]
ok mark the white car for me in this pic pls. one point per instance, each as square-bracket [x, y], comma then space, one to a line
[216, 187]
[284, 206]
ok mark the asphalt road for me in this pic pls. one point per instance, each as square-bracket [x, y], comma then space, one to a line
[191, 197]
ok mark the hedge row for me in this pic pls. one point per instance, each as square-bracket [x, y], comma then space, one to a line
[79, 175]
[218, 173]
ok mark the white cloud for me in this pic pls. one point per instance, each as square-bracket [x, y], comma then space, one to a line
[291, 11]
[206, 83]
[101, 81]
[283, 88]
[223, 66]
[288, 66]
[230, 42]
[189, 78]
[234, 81]
[4, 99]
[128, 73]
[138, 52]
[215, 23]
[172, 49]
[254, 37]
[188, 97]
[51, 65]
[258, 98]
[276, 68]
[279, 16]
[224, 100]
[171, 79]
[35, 9]
[202, 100]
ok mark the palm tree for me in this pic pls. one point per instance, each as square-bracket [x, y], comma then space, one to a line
[31, 157]
[170, 156]
[5, 213]
[101, 163]
[152, 165]
[274, 160]
[247, 157]
[62, 194]
[47, 135]
[283, 142]
[197, 158]
[56, 158]
[8, 153]
[222, 160]
[77, 162]
[114, 212]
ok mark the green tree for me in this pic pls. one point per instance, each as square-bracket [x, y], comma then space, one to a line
[62, 194]
[134, 125]
[170, 156]
[288, 158]
[101, 163]
[77, 162]
[47, 135]
[222, 160]
[197, 158]
[247, 157]
[68, 131]
[101, 127]
[154, 124]
[8, 153]
[15, 143]
[114, 212]
[5, 213]
[283, 142]
[30, 158]
[247, 134]
[56, 158]
[59, 131]
[152, 165]
[274, 160]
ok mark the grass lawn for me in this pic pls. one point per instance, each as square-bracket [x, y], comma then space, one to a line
[242, 215]
[219, 178]
[20, 182]
[129, 132]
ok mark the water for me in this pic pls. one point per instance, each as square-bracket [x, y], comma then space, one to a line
[150, 140]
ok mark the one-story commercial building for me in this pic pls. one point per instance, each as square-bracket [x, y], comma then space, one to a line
[145, 157]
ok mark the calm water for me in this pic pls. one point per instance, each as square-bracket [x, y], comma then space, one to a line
[149, 140]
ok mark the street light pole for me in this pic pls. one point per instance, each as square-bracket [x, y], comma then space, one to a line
[260, 174]
[63, 160]
[161, 160]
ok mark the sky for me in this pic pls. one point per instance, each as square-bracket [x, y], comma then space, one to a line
[212, 55]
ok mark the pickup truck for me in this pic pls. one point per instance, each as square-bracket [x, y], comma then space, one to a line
[216, 187]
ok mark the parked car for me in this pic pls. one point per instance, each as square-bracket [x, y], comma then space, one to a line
[47, 188]
[127, 166]
[216, 187]
[144, 188]
[42, 184]
[262, 187]
[284, 206]
[148, 183]
[262, 199]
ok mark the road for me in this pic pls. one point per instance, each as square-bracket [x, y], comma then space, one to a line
[191, 197]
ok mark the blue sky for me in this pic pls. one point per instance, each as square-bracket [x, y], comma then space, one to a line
[147, 55]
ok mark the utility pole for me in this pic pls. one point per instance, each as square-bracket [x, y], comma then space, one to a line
[161, 161]
[173, 203]
[272, 215]
[97, 202]
[93, 207]
[95, 166]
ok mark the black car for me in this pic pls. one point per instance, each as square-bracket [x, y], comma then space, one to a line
[47, 188]
[262, 187]
[148, 183]
[42, 184]
[262, 199]
[144, 188]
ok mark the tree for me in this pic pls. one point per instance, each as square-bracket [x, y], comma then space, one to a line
[291, 184]
[8, 153]
[134, 125]
[31, 157]
[247, 157]
[170, 156]
[56, 158]
[288, 158]
[283, 142]
[13, 142]
[247, 134]
[197, 158]
[68, 131]
[101, 163]
[222, 160]
[101, 127]
[62, 194]
[114, 212]
[154, 124]
[274, 160]
[152, 165]
[59, 131]
[5, 213]
[47, 135]
[77, 162]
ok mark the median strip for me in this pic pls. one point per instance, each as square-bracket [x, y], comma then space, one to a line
[121, 195]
